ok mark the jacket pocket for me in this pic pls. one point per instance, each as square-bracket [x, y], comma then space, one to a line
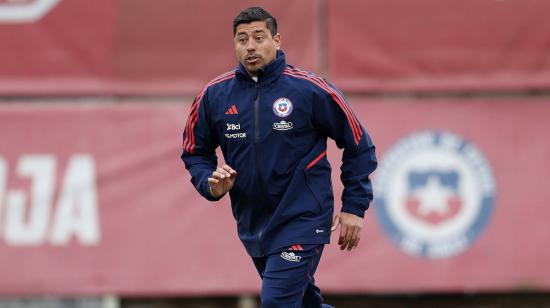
[318, 179]
[316, 160]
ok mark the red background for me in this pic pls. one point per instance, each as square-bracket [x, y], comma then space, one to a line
[159, 236]
[174, 47]
[114, 79]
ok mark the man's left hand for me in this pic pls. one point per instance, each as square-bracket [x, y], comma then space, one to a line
[350, 230]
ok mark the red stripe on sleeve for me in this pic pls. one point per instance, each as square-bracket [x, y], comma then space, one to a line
[352, 121]
[189, 142]
[189, 119]
[358, 132]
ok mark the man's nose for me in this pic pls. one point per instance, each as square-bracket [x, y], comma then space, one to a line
[250, 45]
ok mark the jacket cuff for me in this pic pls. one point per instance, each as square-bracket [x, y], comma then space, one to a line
[357, 208]
[205, 192]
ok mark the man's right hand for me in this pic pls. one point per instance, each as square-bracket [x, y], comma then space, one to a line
[222, 180]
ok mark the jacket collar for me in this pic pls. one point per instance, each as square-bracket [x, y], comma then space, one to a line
[268, 73]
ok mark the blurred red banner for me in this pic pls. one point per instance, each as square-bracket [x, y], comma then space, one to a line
[170, 47]
[439, 45]
[76, 47]
[95, 200]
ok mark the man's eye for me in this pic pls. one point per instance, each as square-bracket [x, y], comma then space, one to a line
[259, 38]
[242, 40]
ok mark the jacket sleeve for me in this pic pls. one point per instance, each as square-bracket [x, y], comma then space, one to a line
[199, 147]
[334, 117]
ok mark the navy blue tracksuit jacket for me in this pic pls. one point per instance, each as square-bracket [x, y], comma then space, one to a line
[273, 132]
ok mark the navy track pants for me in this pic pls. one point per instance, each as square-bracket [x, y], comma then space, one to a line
[288, 277]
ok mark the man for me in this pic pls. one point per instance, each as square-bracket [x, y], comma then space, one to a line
[272, 121]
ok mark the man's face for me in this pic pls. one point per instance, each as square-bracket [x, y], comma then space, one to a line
[255, 46]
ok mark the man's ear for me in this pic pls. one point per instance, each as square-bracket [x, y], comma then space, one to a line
[277, 39]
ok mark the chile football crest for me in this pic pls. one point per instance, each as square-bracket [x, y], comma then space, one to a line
[434, 193]
[282, 107]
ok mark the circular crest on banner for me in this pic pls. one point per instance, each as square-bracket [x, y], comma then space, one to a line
[282, 107]
[434, 194]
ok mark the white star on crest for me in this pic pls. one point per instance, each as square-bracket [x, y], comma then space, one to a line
[433, 197]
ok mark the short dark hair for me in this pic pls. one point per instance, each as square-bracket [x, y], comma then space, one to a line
[252, 14]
